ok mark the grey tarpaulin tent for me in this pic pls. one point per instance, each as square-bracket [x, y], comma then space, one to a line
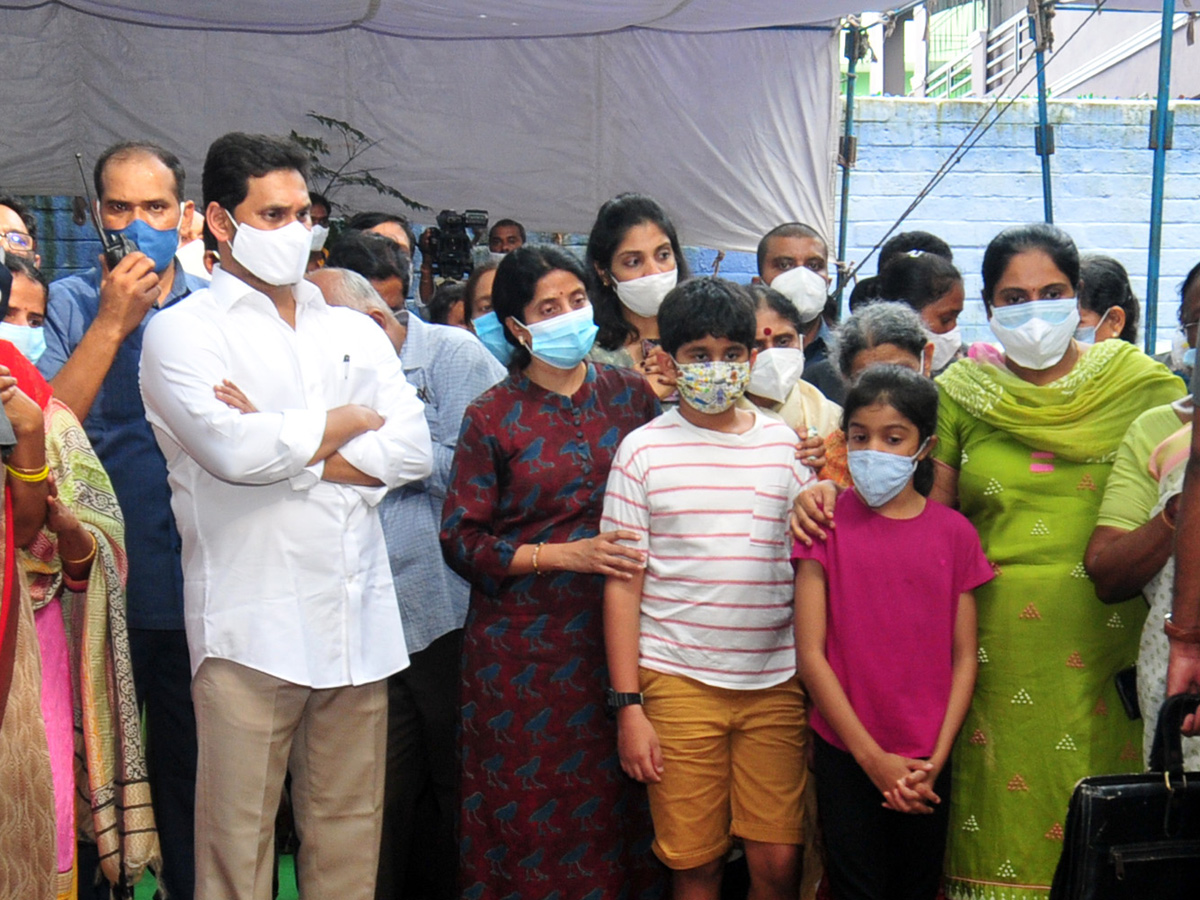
[727, 112]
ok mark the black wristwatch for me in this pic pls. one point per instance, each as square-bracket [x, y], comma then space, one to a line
[614, 701]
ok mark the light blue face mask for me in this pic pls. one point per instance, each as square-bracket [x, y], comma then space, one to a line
[490, 332]
[1086, 334]
[30, 341]
[879, 476]
[157, 244]
[563, 342]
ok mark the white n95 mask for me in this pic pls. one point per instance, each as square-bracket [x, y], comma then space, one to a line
[805, 289]
[1036, 334]
[776, 372]
[945, 346]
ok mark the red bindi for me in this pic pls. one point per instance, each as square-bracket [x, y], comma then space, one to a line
[767, 332]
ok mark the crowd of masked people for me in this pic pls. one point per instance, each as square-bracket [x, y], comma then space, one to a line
[585, 578]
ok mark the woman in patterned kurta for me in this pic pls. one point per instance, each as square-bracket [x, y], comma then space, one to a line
[546, 810]
[1027, 452]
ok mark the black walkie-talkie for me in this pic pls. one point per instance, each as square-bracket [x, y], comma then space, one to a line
[116, 246]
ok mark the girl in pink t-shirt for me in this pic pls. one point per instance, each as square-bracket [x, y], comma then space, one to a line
[886, 644]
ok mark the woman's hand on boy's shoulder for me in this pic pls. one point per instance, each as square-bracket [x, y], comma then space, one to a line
[812, 512]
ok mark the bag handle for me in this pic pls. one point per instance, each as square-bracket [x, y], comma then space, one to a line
[1167, 753]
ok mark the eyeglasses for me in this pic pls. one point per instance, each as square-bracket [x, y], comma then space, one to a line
[16, 240]
[1189, 330]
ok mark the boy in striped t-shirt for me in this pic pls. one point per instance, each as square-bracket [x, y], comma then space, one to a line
[701, 649]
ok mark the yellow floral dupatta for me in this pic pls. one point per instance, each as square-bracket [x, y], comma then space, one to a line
[111, 767]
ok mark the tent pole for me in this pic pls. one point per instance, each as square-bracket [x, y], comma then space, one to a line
[1160, 139]
[1044, 133]
[847, 150]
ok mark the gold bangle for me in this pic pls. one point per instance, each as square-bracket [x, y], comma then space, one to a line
[29, 476]
[88, 558]
[536, 550]
[1166, 521]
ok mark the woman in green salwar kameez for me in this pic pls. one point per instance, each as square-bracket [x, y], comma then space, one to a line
[1026, 442]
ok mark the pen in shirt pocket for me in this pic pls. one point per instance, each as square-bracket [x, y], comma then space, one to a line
[346, 367]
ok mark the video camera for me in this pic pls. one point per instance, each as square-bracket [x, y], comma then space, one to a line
[448, 247]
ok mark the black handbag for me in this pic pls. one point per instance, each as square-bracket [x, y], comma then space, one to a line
[1136, 837]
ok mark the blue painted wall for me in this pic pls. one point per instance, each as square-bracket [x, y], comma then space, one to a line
[1101, 184]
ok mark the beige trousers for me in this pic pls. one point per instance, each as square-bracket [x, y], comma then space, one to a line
[252, 728]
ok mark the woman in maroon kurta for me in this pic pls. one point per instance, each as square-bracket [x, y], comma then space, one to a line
[546, 809]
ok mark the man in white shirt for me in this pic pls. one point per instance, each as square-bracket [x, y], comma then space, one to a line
[283, 422]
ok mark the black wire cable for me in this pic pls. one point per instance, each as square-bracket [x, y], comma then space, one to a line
[957, 154]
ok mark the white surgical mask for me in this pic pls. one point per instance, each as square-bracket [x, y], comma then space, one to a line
[320, 234]
[775, 372]
[945, 346]
[1036, 334]
[278, 256]
[805, 289]
[643, 296]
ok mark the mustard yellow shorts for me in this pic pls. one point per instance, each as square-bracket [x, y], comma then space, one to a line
[734, 764]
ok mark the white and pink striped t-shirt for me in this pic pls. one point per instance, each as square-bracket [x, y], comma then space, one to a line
[711, 508]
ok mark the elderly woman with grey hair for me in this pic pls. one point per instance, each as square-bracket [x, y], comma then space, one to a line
[878, 333]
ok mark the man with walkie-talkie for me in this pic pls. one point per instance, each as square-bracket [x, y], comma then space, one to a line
[94, 324]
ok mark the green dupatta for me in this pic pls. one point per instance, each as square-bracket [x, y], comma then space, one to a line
[1081, 416]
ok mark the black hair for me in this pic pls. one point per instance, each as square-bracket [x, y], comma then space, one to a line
[909, 393]
[907, 241]
[613, 222]
[365, 221]
[764, 297]
[509, 222]
[130, 149]
[1188, 281]
[706, 307]
[787, 229]
[233, 159]
[917, 278]
[473, 285]
[373, 256]
[19, 265]
[1052, 241]
[444, 297]
[21, 210]
[516, 281]
[866, 290]
[1103, 284]
[315, 199]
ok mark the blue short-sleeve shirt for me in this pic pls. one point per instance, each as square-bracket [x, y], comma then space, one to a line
[117, 428]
